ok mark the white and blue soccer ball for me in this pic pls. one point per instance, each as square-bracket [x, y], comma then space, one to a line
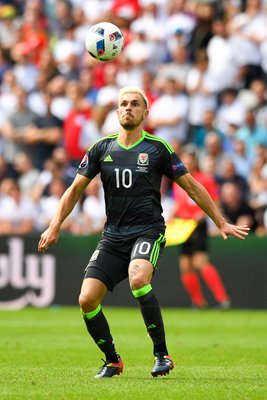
[104, 41]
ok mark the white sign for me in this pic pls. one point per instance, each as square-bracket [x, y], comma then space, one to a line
[34, 274]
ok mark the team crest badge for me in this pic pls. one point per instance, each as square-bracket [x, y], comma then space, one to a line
[142, 159]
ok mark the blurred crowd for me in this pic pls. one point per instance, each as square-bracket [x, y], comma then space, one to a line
[202, 64]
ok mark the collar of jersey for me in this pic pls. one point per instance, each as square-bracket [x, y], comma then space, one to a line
[132, 145]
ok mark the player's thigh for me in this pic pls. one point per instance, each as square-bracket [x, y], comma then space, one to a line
[149, 248]
[145, 254]
[107, 264]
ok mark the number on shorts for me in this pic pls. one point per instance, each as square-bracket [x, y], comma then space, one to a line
[142, 248]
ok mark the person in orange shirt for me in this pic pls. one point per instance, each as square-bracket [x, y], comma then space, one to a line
[194, 259]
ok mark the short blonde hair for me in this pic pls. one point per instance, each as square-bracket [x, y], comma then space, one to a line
[133, 89]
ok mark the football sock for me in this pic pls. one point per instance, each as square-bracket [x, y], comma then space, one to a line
[214, 282]
[191, 283]
[151, 313]
[98, 328]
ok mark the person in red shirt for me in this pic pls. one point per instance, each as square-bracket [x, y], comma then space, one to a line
[79, 127]
[194, 259]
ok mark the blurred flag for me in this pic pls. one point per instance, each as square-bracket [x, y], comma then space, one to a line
[178, 230]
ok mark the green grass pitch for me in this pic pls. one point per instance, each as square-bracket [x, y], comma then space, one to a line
[47, 354]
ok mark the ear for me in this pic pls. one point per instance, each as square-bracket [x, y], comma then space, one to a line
[145, 114]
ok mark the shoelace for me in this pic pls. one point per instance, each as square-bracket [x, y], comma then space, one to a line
[161, 360]
[104, 365]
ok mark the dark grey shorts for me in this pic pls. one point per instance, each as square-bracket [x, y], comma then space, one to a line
[198, 241]
[110, 261]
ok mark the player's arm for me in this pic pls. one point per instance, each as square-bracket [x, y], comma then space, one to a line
[65, 206]
[200, 195]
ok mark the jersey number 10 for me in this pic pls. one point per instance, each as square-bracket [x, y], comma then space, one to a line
[123, 178]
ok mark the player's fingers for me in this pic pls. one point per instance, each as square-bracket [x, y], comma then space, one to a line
[240, 234]
[42, 246]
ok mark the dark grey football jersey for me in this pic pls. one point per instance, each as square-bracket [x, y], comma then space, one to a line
[131, 179]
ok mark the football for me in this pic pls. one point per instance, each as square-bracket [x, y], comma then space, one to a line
[104, 41]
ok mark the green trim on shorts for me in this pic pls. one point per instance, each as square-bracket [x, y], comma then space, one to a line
[92, 314]
[142, 291]
[154, 256]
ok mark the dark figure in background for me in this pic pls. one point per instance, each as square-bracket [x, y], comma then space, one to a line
[234, 206]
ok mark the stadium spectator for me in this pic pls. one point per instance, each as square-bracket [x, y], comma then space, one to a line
[60, 18]
[201, 88]
[234, 206]
[105, 104]
[93, 214]
[6, 170]
[61, 104]
[128, 10]
[14, 131]
[257, 182]
[89, 89]
[180, 24]
[241, 163]
[67, 52]
[230, 111]
[247, 31]
[213, 147]
[34, 35]
[27, 174]
[199, 133]
[21, 55]
[79, 129]
[45, 133]
[258, 87]
[9, 26]
[228, 173]
[142, 54]
[202, 33]
[221, 57]
[252, 134]
[5, 63]
[167, 116]
[8, 96]
[177, 69]
[17, 211]
[48, 204]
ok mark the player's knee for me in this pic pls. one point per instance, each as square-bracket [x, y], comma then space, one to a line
[185, 265]
[87, 302]
[138, 281]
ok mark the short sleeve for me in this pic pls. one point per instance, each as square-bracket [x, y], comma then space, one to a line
[90, 165]
[173, 167]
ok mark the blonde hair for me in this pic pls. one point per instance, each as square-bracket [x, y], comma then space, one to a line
[133, 89]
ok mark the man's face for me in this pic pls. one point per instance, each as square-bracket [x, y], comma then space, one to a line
[131, 110]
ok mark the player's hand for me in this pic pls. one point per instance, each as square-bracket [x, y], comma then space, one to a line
[48, 238]
[239, 232]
